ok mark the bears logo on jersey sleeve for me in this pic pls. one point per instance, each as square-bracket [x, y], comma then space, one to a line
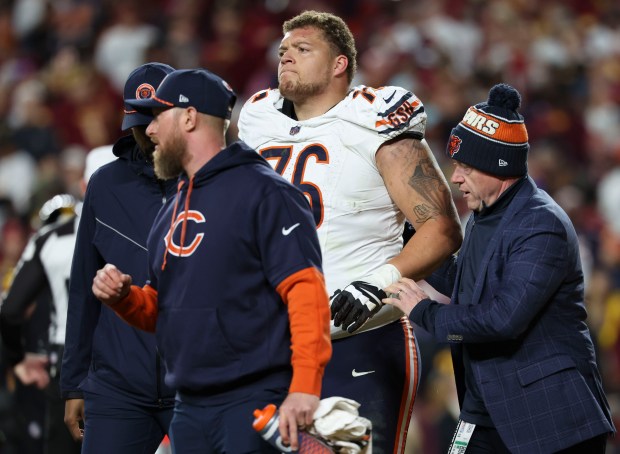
[390, 111]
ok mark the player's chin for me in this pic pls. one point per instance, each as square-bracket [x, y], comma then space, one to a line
[286, 87]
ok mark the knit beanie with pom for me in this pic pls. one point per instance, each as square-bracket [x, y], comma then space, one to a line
[492, 135]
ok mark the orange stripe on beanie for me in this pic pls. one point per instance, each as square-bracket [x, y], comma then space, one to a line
[492, 136]
[493, 127]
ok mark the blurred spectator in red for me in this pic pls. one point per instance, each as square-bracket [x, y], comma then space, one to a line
[85, 106]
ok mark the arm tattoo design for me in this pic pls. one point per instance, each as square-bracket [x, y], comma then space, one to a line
[431, 187]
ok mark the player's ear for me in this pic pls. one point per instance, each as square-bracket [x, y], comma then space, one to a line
[341, 64]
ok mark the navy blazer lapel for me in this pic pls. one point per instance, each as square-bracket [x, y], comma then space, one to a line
[520, 199]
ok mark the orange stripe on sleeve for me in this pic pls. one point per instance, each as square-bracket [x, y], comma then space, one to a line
[305, 294]
[139, 308]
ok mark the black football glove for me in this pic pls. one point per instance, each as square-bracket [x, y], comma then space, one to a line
[355, 304]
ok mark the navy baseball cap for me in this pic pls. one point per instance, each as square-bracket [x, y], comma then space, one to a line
[198, 88]
[141, 84]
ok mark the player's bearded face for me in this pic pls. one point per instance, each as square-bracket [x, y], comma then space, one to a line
[297, 87]
[169, 156]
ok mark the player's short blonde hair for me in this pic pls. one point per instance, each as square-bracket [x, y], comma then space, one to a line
[335, 31]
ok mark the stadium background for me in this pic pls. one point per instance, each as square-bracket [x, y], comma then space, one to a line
[63, 64]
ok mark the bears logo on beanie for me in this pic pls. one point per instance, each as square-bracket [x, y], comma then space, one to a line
[492, 135]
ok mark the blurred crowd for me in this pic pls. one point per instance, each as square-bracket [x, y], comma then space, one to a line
[63, 64]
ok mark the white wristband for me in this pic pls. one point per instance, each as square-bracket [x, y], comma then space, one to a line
[387, 274]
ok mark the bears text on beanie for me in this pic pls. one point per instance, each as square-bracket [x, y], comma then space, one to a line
[492, 136]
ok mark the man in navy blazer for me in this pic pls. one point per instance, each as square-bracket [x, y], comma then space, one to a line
[524, 361]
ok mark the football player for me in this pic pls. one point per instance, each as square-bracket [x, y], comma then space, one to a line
[360, 157]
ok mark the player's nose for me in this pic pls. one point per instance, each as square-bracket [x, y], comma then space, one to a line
[286, 57]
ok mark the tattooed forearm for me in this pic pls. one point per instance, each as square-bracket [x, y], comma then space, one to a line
[432, 188]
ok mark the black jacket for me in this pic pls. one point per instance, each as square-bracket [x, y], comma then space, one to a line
[102, 353]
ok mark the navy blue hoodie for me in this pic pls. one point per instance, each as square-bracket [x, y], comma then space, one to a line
[243, 230]
[103, 354]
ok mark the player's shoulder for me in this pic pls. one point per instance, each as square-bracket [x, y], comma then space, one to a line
[265, 99]
[261, 117]
[382, 98]
[390, 110]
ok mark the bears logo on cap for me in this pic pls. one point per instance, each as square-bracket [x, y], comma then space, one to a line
[454, 145]
[145, 91]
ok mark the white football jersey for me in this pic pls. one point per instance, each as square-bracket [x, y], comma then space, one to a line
[331, 158]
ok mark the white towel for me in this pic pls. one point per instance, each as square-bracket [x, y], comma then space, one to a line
[337, 421]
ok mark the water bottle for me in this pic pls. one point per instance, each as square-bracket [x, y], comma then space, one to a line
[266, 424]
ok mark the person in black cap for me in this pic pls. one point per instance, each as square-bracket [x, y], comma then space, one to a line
[523, 356]
[236, 293]
[112, 377]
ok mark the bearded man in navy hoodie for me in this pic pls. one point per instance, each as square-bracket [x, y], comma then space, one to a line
[236, 293]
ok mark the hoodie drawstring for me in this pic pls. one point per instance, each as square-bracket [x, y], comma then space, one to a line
[173, 220]
[186, 214]
[174, 215]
